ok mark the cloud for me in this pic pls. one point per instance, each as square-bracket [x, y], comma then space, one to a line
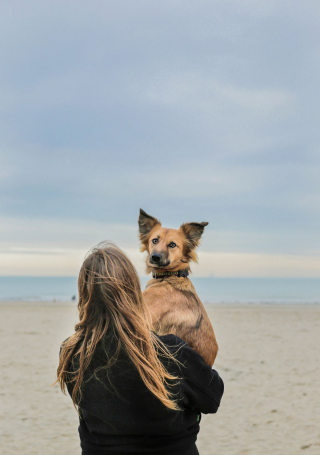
[191, 110]
[257, 265]
[199, 91]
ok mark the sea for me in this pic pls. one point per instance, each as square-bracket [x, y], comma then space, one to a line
[210, 290]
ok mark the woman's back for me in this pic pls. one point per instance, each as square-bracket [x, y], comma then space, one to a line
[120, 415]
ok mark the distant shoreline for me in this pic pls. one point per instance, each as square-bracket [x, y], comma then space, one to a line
[214, 290]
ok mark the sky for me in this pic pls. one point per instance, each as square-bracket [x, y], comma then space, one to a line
[192, 110]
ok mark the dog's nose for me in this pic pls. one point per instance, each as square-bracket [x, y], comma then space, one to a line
[156, 257]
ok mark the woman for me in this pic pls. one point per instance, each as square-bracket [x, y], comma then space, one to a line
[136, 393]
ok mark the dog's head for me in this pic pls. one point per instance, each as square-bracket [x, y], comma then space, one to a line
[168, 249]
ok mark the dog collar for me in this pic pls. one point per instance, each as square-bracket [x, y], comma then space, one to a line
[178, 273]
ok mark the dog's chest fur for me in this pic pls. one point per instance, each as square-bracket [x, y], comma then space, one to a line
[174, 305]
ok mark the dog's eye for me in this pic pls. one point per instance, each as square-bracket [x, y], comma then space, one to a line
[172, 245]
[154, 241]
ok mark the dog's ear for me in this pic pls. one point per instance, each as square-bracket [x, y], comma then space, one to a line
[146, 224]
[193, 233]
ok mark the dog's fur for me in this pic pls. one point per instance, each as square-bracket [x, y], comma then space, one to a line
[174, 304]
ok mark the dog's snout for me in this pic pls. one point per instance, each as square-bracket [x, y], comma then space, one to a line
[156, 257]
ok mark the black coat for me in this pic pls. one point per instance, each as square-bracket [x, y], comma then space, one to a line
[119, 415]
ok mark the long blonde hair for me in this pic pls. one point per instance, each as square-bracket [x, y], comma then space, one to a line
[110, 297]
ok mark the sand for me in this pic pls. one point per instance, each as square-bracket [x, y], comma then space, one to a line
[269, 359]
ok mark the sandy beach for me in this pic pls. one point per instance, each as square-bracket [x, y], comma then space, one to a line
[269, 359]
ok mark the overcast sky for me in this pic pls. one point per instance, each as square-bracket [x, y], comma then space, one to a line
[192, 110]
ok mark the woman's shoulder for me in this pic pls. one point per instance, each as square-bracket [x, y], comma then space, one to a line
[62, 344]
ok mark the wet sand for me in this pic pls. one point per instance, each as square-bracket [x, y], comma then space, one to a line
[269, 359]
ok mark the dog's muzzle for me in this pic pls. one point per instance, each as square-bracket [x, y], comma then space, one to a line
[158, 260]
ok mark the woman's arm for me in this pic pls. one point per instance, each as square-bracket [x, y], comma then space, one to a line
[201, 388]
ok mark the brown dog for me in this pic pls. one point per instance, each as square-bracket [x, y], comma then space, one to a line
[170, 295]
